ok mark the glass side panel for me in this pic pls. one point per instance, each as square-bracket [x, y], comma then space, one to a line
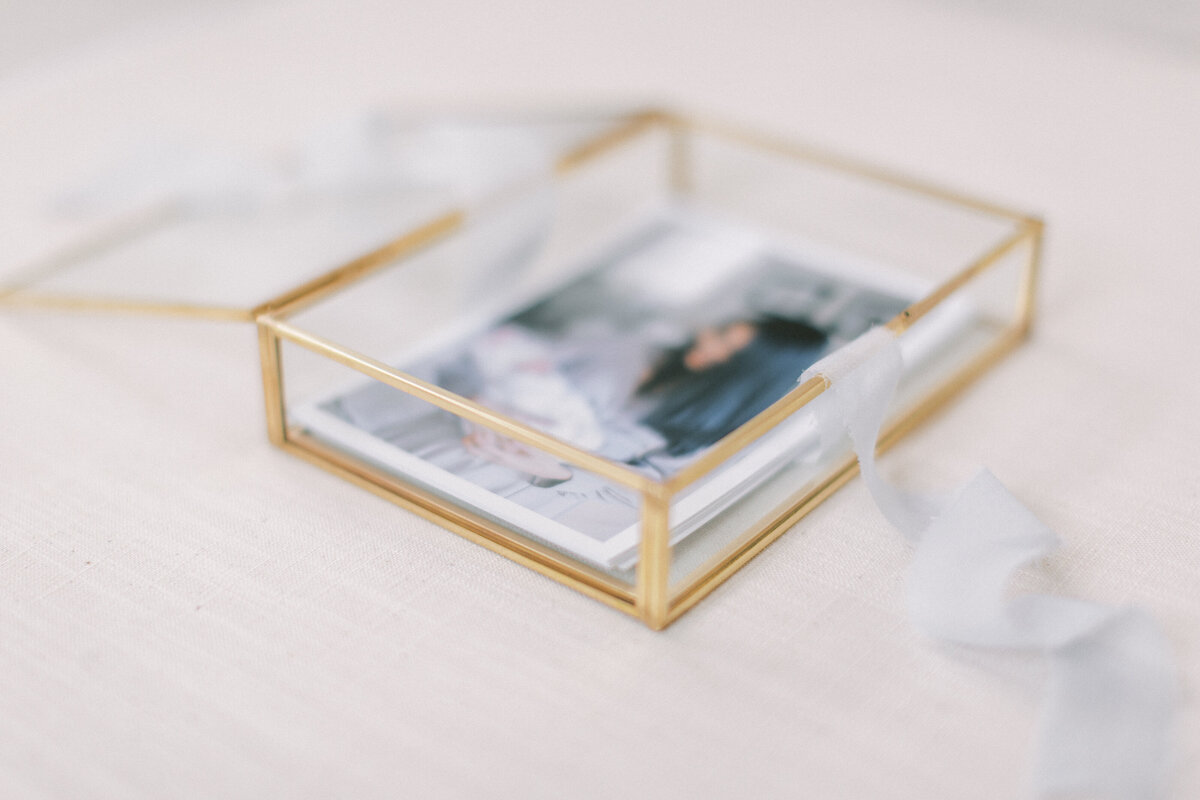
[947, 346]
[925, 237]
[505, 490]
[504, 257]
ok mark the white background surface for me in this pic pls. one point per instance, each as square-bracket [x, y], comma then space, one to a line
[187, 612]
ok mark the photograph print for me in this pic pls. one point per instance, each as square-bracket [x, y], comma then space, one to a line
[666, 341]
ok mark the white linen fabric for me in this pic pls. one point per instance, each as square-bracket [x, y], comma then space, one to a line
[188, 612]
[1106, 722]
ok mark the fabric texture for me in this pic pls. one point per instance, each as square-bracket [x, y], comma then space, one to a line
[189, 612]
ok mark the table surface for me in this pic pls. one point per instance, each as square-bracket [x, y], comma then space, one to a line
[189, 612]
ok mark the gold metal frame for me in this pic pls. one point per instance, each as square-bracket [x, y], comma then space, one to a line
[651, 597]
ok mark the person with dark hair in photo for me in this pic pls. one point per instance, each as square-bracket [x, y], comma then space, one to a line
[724, 376]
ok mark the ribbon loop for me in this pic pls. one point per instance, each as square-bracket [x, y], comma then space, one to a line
[1109, 699]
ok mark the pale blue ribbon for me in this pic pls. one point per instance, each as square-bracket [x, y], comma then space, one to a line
[1107, 715]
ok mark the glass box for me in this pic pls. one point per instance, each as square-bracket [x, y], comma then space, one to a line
[592, 370]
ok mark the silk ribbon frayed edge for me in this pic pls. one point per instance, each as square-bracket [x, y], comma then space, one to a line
[1106, 717]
